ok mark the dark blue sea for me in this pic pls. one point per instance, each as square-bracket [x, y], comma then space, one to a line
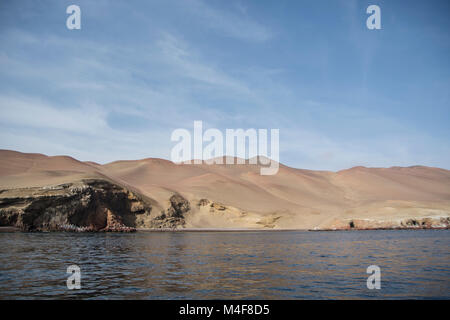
[226, 265]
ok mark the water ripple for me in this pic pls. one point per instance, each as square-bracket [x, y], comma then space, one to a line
[220, 265]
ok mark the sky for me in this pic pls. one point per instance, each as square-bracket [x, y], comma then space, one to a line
[340, 94]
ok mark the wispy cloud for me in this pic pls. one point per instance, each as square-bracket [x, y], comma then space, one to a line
[176, 53]
[232, 23]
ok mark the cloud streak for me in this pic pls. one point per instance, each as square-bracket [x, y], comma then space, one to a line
[231, 23]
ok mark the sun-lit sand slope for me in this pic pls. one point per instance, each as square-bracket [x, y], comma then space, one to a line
[237, 196]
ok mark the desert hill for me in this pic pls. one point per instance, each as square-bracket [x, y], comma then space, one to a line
[163, 194]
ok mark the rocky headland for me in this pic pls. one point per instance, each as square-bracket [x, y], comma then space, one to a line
[85, 206]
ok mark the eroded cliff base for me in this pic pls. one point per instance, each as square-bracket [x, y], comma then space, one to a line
[88, 205]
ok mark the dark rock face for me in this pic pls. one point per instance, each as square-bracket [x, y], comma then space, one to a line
[179, 206]
[90, 205]
[174, 215]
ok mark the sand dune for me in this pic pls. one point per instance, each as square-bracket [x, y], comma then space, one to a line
[237, 196]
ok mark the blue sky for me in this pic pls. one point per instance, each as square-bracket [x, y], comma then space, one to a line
[341, 95]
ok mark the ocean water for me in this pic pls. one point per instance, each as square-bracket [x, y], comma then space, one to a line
[226, 265]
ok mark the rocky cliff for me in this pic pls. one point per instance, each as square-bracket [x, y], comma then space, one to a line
[87, 205]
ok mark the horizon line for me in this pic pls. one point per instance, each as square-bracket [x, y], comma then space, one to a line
[223, 164]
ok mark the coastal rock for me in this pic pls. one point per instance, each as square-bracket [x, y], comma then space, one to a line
[89, 205]
[174, 216]
[203, 202]
[218, 206]
[373, 224]
[179, 206]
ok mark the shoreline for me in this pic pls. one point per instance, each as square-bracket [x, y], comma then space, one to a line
[6, 229]
[9, 229]
[217, 230]
[282, 230]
